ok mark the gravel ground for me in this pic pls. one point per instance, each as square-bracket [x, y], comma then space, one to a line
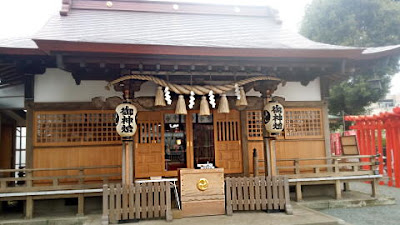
[382, 215]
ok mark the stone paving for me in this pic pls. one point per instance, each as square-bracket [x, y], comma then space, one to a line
[382, 215]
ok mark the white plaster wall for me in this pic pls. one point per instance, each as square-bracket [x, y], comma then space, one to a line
[294, 91]
[58, 86]
[12, 97]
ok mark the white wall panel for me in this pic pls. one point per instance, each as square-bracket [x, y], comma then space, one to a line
[58, 86]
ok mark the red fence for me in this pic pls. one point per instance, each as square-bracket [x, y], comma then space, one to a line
[381, 134]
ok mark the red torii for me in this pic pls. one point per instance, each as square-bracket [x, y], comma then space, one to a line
[369, 136]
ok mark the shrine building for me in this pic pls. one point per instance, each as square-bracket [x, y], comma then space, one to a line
[199, 75]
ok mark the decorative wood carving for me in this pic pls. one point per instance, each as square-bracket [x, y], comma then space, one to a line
[98, 102]
[113, 102]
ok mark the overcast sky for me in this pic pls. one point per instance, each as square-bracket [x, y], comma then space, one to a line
[25, 17]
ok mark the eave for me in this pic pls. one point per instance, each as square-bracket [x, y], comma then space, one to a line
[21, 51]
[90, 47]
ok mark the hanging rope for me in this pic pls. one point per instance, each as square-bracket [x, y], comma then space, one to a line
[197, 89]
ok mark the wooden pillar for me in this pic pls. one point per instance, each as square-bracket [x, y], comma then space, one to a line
[267, 155]
[245, 151]
[346, 186]
[81, 205]
[338, 189]
[127, 142]
[327, 138]
[255, 163]
[123, 169]
[131, 161]
[29, 207]
[374, 187]
[274, 170]
[127, 161]
[266, 141]
[299, 195]
[29, 133]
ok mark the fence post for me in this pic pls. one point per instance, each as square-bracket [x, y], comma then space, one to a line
[168, 198]
[255, 163]
[104, 218]
[380, 149]
[288, 206]
[29, 207]
[228, 196]
[396, 156]
[81, 205]
[29, 178]
[336, 164]
[389, 145]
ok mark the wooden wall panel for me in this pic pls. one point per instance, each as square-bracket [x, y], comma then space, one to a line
[149, 152]
[300, 149]
[304, 123]
[227, 136]
[75, 128]
[64, 157]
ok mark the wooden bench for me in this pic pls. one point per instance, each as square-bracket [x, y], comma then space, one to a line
[257, 193]
[336, 170]
[33, 187]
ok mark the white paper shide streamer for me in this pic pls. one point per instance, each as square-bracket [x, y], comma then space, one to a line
[191, 100]
[237, 92]
[167, 95]
[211, 98]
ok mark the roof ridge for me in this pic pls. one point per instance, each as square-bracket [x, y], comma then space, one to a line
[170, 7]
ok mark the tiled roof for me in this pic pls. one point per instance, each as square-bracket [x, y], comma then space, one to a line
[173, 29]
[373, 50]
[18, 42]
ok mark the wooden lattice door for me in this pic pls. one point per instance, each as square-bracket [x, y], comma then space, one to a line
[149, 153]
[227, 138]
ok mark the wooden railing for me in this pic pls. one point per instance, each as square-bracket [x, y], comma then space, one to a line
[137, 201]
[81, 178]
[333, 166]
[257, 193]
[330, 170]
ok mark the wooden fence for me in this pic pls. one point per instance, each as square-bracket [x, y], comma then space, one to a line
[80, 178]
[257, 193]
[332, 166]
[137, 201]
[336, 170]
[37, 184]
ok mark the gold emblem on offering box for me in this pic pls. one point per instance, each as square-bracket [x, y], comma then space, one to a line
[202, 184]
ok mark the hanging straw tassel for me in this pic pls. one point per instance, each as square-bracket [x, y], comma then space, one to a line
[223, 106]
[159, 101]
[242, 100]
[204, 108]
[181, 106]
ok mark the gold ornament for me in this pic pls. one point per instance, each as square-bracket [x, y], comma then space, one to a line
[202, 184]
